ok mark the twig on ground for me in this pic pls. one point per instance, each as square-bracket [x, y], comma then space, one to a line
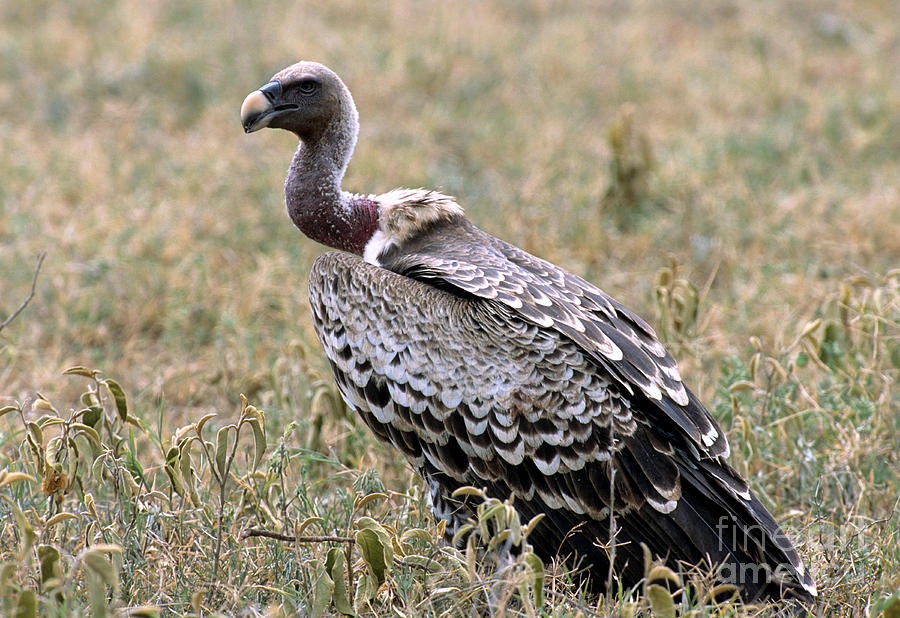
[24, 304]
[303, 539]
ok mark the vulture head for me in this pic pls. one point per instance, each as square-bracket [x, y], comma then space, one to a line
[307, 99]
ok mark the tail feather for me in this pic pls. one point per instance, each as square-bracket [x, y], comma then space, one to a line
[737, 537]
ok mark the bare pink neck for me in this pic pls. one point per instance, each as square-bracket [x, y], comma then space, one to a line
[318, 206]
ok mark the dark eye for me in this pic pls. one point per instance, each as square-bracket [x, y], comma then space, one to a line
[308, 87]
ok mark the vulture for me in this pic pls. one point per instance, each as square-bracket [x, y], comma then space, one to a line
[486, 366]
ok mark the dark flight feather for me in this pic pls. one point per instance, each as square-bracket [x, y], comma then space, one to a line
[490, 385]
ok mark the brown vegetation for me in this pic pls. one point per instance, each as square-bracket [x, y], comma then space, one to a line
[729, 170]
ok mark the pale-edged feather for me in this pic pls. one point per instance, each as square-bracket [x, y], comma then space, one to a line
[473, 393]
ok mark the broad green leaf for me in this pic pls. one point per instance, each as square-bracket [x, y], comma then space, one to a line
[119, 397]
[499, 539]
[98, 468]
[418, 534]
[58, 518]
[71, 463]
[467, 491]
[96, 595]
[187, 475]
[7, 570]
[35, 432]
[50, 566]
[89, 399]
[55, 451]
[37, 453]
[422, 562]
[892, 608]
[372, 551]
[534, 521]
[7, 409]
[742, 385]
[103, 560]
[362, 501]
[128, 483]
[322, 593]
[494, 511]
[203, 421]
[721, 592]
[222, 451]
[26, 605]
[306, 523]
[462, 532]
[384, 537]
[660, 572]
[87, 431]
[334, 564]
[536, 570]
[100, 564]
[259, 441]
[515, 528]
[399, 548]
[366, 589]
[330, 557]
[661, 602]
[80, 370]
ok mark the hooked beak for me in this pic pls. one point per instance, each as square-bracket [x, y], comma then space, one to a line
[261, 106]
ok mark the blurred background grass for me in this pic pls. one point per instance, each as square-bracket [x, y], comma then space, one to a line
[775, 131]
[761, 142]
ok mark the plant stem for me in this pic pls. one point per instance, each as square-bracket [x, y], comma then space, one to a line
[24, 304]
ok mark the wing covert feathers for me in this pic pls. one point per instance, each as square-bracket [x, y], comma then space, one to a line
[475, 388]
[464, 258]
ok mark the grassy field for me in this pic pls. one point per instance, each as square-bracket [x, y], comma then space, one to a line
[729, 170]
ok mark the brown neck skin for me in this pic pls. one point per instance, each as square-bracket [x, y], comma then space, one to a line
[313, 193]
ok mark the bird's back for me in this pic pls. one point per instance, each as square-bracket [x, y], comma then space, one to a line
[480, 364]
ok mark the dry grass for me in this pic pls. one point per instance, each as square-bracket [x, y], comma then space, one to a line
[756, 145]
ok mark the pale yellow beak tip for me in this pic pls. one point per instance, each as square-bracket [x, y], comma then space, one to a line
[253, 111]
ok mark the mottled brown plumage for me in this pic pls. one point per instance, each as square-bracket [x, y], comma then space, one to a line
[487, 366]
